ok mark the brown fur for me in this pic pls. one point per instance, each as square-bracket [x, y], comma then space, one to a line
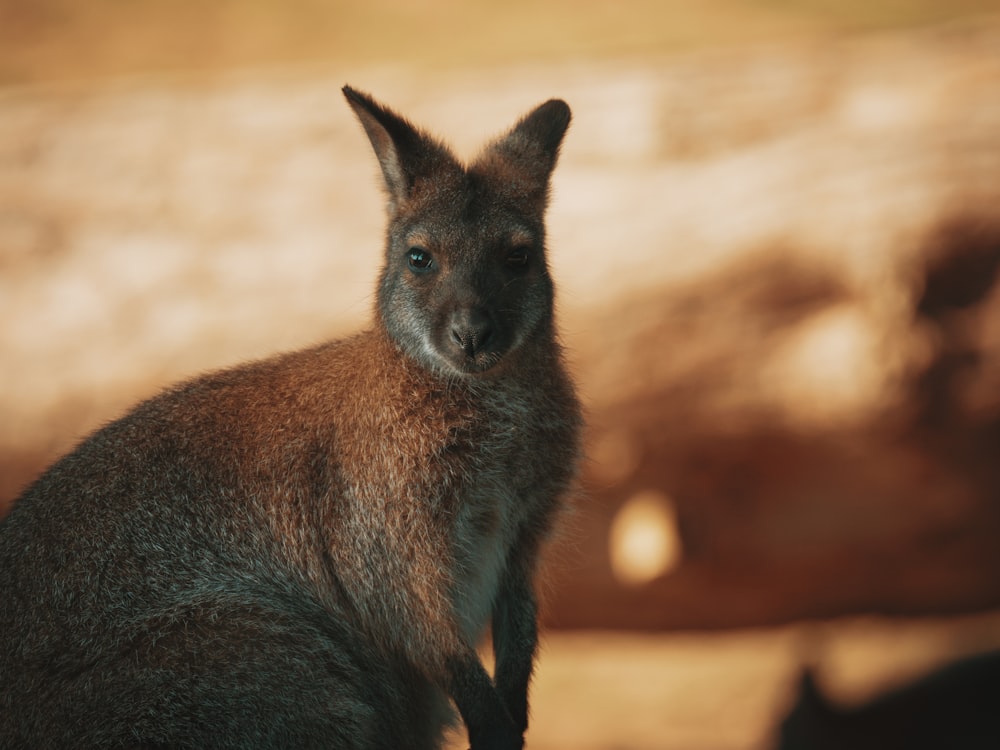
[306, 551]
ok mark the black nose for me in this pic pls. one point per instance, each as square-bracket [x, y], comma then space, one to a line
[471, 330]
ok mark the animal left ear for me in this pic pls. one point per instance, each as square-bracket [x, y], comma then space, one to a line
[531, 147]
[404, 152]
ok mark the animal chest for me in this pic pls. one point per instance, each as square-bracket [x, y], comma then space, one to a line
[493, 512]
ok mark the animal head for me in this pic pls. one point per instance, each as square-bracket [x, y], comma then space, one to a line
[465, 286]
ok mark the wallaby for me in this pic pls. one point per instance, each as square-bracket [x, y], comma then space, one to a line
[957, 706]
[306, 551]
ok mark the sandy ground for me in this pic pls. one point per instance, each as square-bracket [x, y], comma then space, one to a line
[726, 691]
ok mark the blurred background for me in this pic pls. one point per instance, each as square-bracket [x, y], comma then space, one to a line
[776, 235]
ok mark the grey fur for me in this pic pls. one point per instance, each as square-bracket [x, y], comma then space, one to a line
[305, 551]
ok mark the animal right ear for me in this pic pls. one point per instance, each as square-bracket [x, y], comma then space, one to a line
[532, 146]
[810, 695]
[404, 153]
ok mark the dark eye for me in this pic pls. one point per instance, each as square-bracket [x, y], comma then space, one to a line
[419, 259]
[517, 258]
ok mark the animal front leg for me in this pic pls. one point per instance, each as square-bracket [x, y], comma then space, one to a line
[515, 639]
[486, 718]
[436, 643]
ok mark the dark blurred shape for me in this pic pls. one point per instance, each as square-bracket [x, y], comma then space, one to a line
[963, 258]
[954, 707]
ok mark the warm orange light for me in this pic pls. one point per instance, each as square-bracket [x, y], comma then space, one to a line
[644, 542]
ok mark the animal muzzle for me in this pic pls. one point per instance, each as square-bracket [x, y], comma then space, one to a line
[474, 341]
[471, 331]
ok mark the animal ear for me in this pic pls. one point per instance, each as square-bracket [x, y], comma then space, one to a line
[404, 152]
[531, 147]
[810, 695]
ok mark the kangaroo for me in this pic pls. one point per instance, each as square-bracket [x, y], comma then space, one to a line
[307, 550]
[958, 706]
